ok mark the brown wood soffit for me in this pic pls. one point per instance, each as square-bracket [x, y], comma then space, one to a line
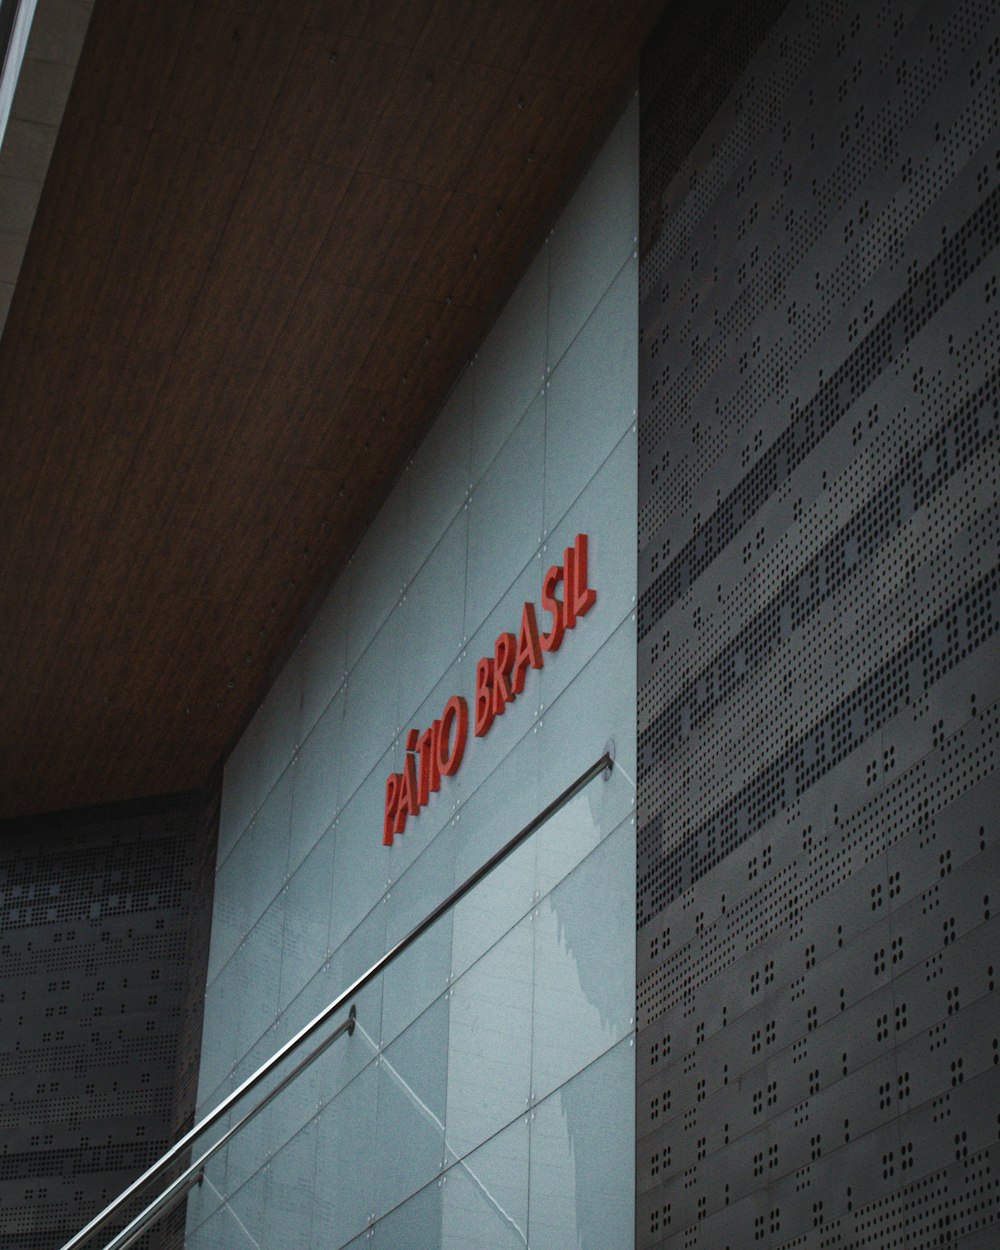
[269, 238]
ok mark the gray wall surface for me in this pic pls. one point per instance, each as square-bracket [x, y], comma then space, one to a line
[486, 1096]
[101, 936]
[817, 1056]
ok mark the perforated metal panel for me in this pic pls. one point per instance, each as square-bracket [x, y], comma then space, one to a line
[818, 613]
[103, 938]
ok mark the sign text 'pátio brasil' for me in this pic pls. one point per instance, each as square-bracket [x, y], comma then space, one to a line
[437, 751]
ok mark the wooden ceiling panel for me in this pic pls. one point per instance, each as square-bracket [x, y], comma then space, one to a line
[531, 130]
[268, 242]
[471, 250]
[290, 417]
[130, 53]
[292, 12]
[49, 619]
[448, 268]
[488, 32]
[398, 22]
[280, 218]
[282, 214]
[81, 466]
[382, 225]
[48, 303]
[330, 322]
[356, 429]
[188, 435]
[92, 177]
[329, 107]
[101, 657]
[231, 673]
[57, 512]
[183, 199]
[235, 313]
[246, 504]
[434, 120]
[58, 714]
[123, 684]
[198, 626]
[426, 342]
[45, 623]
[110, 407]
[295, 531]
[229, 70]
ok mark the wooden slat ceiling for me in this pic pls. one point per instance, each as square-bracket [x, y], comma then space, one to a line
[270, 236]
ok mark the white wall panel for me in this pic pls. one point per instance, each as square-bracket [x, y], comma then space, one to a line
[490, 1043]
[591, 394]
[440, 474]
[510, 365]
[505, 515]
[317, 780]
[605, 510]
[379, 571]
[517, 1008]
[371, 705]
[306, 928]
[582, 1159]
[325, 652]
[594, 236]
[484, 1198]
[433, 617]
[483, 823]
[361, 867]
[582, 1005]
[412, 1093]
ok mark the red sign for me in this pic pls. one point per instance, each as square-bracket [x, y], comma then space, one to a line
[437, 751]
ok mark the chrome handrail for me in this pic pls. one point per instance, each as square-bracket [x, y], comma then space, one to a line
[603, 765]
[179, 1194]
[187, 1179]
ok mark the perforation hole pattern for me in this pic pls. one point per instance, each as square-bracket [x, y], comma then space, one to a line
[819, 611]
[103, 935]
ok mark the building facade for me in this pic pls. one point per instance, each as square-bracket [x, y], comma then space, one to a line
[717, 492]
[485, 1097]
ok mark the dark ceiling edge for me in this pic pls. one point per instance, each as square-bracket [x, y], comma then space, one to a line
[188, 802]
[569, 186]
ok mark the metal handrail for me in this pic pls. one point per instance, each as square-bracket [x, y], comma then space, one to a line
[603, 765]
[178, 1195]
[187, 1179]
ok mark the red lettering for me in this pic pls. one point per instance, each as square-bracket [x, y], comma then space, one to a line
[408, 805]
[437, 752]
[579, 597]
[529, 649]
[484, 696]
[391, 799]
[569, 563]
[456, 715]
[504, 652]
[552, 641]
[584, 597]
[430, 776]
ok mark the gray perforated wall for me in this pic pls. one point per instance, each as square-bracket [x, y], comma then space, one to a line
[104, 925]
[819, 599]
